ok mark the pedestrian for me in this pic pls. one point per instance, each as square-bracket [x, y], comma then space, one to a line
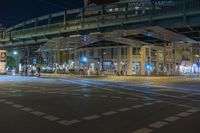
[122, 73]
[38, 70]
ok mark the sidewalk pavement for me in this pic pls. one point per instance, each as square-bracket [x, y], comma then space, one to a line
[163, 79]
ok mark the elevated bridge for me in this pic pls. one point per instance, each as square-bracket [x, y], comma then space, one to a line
[180, 16]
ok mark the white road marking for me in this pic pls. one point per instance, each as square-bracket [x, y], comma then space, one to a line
[52, 92]
[172, 118]
[130, 98]
[91, 117]
[137, 106]
[185, 96]
[184, 114]
[63, 122]
[158, 124]
[51, 118]
[115, 97]
[86, 95]
[104, 96]
[149, 103]
[2, 100]
[74, 94]
[9, 103]
[143, 130]
[67, 123]
[158, 101]
[27, 109]
[124, 109]
[193, 110]
[38, 113]
[17, 106]
[109, 113]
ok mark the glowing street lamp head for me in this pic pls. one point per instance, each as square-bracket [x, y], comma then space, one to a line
[85, 59]
[148, 66]
[15, 52]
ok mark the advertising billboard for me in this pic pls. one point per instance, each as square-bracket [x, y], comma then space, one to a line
[3, 59]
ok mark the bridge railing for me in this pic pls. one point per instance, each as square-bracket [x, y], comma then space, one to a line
[110, 14]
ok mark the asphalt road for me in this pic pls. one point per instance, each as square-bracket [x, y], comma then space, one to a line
[39, 105]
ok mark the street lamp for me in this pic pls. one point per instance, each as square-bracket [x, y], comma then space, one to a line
[15, 52]
[85, 59]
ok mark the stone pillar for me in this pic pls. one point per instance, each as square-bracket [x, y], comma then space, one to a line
[119, 58]
[129, 60]
[143, 60]
[96, 56]
[88, 57]
[157, 66]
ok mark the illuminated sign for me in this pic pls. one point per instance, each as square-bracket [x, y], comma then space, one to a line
[3, 56]
[149, 3]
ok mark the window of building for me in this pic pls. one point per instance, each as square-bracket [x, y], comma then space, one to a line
[107, 53]
[124, 51]
[114, 52]
[136, 51]
[91, 52]
[99, 52]
[147, 51]
[153, 52]
[83, 53]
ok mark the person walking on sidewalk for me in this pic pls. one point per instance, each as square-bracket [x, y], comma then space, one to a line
[38, 70]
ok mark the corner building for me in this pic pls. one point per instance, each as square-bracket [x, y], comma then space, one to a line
[130, 60]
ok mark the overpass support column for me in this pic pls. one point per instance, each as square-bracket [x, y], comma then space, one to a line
[143, 60]
[96, 61]
[119, 58]
[129, 60]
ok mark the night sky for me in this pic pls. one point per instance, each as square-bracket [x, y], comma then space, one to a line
[15, 11]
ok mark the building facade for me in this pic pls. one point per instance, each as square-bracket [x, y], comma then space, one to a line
[128, 60]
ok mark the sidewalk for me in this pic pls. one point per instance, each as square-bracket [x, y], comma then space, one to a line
[162, 79]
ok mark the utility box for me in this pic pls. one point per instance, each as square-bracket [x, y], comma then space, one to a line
[3, 60]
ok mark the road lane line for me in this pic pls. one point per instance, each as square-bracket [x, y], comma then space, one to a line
[104, 96]
[172, 119]
[130, 98]
[137, 106]
[91, 117]
[87, 95]
[9, 103]
[158, 124]
[2, 100]
[63, 122]
[51, 118]
[159, 101]
[109, 113]
[17, 106]
[67, 123]
[184, 114]
[143, 130]
[193, 110]
[38, 113]
[75, 94]
[124, 109]
[27, 109]
[115, 97]
[149, 103]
